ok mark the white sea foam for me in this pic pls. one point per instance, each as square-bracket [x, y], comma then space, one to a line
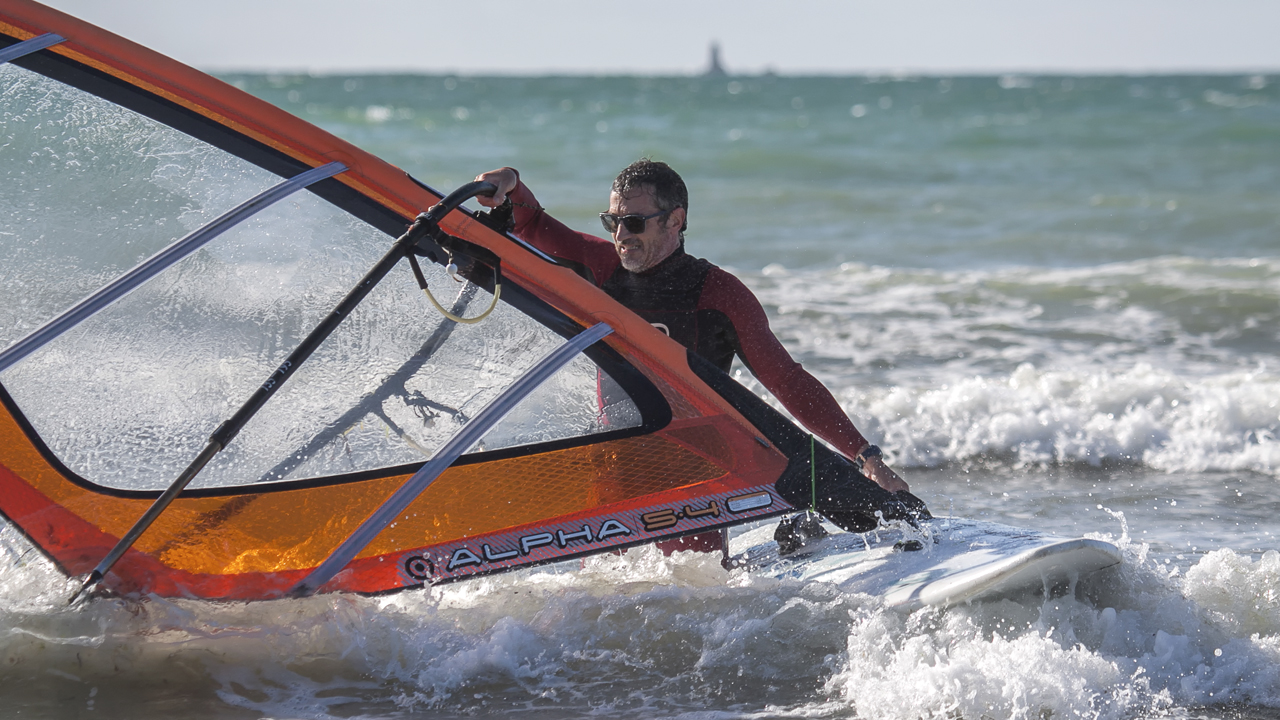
[1141, 415]
[1149, 641]
[1102, 364]
[641, 635]
[1243, 595]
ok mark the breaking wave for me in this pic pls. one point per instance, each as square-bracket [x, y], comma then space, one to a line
[1168, 362]
[642, 635]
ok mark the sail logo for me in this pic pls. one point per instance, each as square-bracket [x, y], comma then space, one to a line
[667, 517]
[278, 376]
[548, 543]
[421, 568]
[463, 556]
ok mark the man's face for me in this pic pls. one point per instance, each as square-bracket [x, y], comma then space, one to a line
[661, 235]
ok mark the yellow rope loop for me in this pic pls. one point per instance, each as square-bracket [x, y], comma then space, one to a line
[497, 292]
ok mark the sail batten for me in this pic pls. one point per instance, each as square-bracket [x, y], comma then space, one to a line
[26, 47]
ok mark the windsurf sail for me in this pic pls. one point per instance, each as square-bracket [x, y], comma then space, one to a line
[113, 155]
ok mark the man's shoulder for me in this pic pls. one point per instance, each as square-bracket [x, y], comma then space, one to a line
[706, 268]
[723, 289]
[720, 276]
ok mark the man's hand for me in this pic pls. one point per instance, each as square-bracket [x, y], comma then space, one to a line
[883, 475]
[505, 179]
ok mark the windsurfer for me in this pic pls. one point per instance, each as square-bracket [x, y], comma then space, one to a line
[704, 308]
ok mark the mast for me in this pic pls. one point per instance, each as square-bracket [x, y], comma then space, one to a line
[714, 67]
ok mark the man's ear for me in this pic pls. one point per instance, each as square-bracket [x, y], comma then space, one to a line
[676, 218]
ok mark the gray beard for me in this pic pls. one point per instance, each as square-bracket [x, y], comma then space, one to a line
[631, 264]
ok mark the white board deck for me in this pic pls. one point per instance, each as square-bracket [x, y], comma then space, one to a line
[961, 560]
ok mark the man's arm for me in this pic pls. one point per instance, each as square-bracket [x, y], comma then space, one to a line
[535, 226]
[801, 393]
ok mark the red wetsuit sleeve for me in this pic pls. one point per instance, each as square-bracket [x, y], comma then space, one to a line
[800, 393]
[539, 229]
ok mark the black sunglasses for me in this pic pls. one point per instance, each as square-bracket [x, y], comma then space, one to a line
[633, 223]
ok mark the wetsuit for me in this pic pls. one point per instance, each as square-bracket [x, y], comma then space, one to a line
[712, 313]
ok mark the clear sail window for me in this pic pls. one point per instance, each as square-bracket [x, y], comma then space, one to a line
[130, 396]
[88, 189]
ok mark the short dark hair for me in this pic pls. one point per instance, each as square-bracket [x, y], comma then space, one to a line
[659, 179]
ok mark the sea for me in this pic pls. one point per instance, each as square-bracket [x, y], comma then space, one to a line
[1054, 301]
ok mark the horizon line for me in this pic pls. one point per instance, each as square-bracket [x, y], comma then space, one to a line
[890, 74]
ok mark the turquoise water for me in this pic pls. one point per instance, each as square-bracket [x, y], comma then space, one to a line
[1054, 301]
[936, 173]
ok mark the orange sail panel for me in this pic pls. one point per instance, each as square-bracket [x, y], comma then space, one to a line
[258, 543]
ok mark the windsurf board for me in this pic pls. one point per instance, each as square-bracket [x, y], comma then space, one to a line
[957, 560]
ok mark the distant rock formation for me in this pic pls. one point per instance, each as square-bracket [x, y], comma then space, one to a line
[714, 68]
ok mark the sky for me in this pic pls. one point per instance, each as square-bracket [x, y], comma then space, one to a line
[673, 36]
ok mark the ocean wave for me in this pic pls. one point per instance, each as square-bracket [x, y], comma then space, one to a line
[1150, 642]
[1178, 312]
[1031, 417]
[1143, 415]
[1167, 362]
[641, 634]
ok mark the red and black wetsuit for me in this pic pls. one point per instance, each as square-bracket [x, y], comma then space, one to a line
[708, 311]
[700, 306]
